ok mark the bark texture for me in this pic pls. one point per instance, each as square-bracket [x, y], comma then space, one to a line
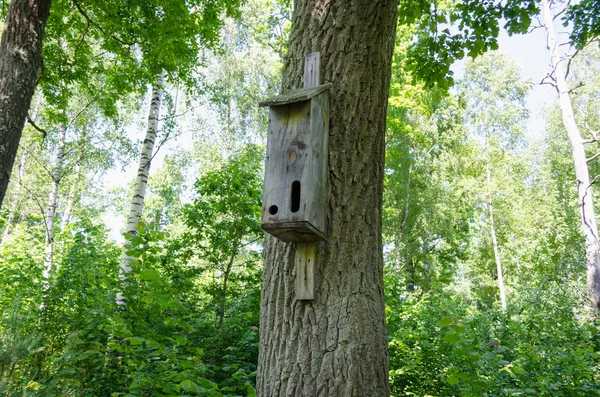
[336, 345]
[20, 62]
[141, 181]
[584, 187]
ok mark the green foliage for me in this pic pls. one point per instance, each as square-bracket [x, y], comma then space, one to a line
[227, 208]
[583, 16]
[109, 51]
[440, 345]
[448, 31]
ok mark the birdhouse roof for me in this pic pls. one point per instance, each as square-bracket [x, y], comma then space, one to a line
[292, 96]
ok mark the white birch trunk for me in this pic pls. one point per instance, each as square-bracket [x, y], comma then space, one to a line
[139, 189]
[584, 189]
[66, 216]
[51, 210]
[490, 206]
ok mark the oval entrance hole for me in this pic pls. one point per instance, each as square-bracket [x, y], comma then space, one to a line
[295, 197]
[273, 209]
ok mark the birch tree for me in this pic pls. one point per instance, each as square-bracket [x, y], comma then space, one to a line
[558, 78]
[495, 117]
[56, 177]
[139, 188]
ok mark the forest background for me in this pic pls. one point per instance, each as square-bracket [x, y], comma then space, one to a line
[485, 261]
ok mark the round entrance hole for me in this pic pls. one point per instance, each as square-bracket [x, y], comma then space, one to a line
[273, 209]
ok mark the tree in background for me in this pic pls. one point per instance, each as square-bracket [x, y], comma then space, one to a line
[495, 117]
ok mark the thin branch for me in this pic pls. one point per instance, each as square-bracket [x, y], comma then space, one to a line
[165, 139]
[534, 28]
[36, 159]
[173, 116]
[40, 129]
[83, 109]
[86, 16]
[579, 85]
[552, 83]
[42, 210]
[562, 11]
[594, 157]
[569, 62]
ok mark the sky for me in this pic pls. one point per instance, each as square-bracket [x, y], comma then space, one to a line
[528, 51]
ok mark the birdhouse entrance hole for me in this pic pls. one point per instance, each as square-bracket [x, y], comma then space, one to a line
[295, 196]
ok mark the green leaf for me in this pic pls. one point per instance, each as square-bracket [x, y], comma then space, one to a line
[453, 380]
[444, 322]
[149, 275]
[451, 338]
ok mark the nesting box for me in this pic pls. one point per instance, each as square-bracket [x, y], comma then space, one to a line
[296, 165]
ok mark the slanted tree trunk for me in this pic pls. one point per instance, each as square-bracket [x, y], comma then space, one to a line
[20, 63]
[57, 174]
[584, 187]
[336, 345]
[141, 181]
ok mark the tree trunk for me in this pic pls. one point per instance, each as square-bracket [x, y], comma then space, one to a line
[139, 188]
[223, 297]
[52, 203]
[490, 206]
[584, 188]
[20, 62]
[73, 193]
[336, 345]
[66, 216]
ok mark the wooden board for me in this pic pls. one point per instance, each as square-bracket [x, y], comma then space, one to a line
[294, 231]
[306, 256]
[303, 94]
[312, 65]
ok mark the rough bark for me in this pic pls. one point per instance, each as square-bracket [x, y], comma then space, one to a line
[57, 174]
[20, 62]
[141, 181]
[336, 345]
[584, 188]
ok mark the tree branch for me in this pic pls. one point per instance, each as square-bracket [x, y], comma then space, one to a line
[594, 157]
[91, 21]
[40, 129]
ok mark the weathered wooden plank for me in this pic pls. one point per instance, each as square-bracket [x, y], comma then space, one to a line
[297, 157]
[306, 256]
[302, 94]
[312, 65]
[294, 231]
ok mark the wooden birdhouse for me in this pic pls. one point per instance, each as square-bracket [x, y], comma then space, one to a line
[296, 162]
